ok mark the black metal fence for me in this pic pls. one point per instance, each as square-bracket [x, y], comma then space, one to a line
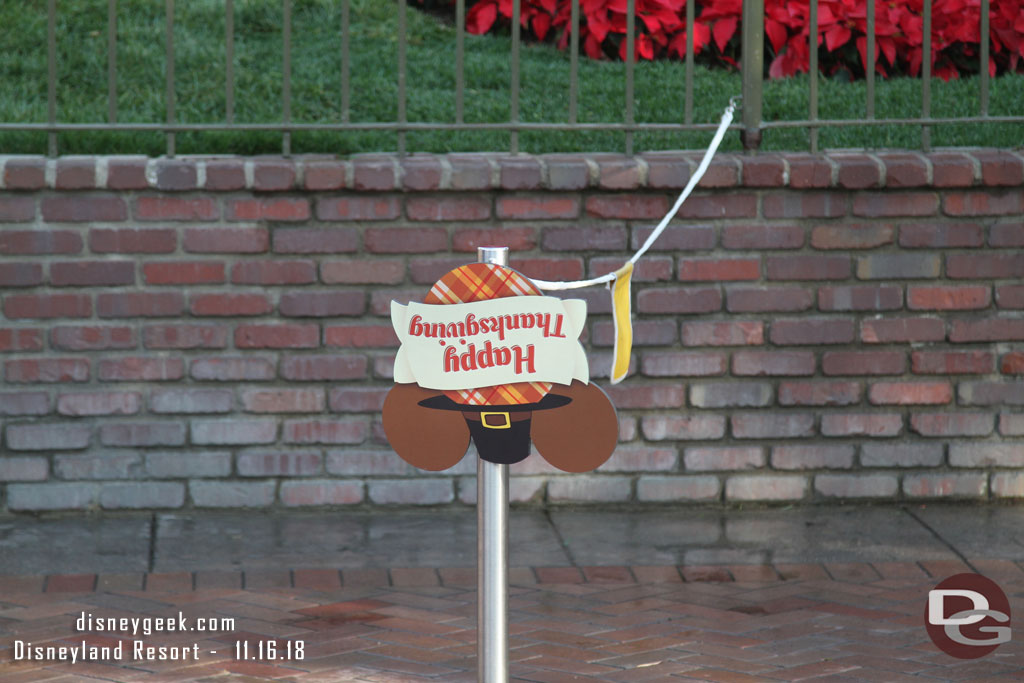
[751, 127]
[753, 41]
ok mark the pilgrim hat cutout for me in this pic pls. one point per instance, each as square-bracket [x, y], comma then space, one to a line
[574, 428]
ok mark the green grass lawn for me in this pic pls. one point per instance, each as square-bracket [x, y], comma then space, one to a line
[316, 86]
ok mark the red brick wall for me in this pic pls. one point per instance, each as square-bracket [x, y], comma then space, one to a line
[215, 333]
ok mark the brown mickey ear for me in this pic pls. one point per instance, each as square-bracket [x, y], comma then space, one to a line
[426, 438]
[578, 437]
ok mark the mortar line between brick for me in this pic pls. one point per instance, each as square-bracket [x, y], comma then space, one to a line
[561, 541]
[939, 536]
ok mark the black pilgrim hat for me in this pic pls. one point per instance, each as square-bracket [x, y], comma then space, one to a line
[574, 427]
[502, 432]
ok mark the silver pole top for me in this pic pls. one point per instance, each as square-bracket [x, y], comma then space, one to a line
[495, 255]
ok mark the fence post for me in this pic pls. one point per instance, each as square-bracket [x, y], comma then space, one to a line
[753, 73]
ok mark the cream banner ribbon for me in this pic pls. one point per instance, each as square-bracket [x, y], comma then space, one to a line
[620, 290]
[485, 343]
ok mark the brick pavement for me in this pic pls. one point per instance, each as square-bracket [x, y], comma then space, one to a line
[818, 621]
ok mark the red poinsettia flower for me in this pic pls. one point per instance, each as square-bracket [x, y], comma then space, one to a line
[661, 30]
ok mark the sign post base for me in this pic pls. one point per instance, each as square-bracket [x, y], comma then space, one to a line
[492, 572]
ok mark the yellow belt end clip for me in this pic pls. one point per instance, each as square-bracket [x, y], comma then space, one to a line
[622, 315]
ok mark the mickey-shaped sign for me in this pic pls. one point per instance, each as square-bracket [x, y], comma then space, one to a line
[486, 356]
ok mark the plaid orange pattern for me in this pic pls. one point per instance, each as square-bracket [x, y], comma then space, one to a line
[481, 282]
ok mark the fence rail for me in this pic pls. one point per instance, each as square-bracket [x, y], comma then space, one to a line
[751, 128]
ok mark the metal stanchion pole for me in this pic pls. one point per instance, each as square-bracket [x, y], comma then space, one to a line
[492, 549]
